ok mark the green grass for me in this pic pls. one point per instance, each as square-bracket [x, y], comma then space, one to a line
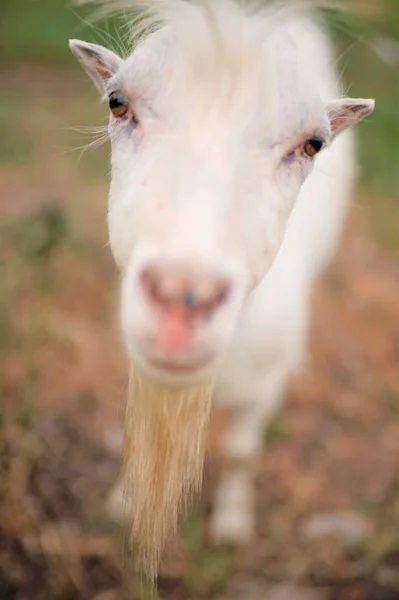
[38, 119]
[276, 432]
[38, 30]
[17, 143]
[209, 567]
[365, 75]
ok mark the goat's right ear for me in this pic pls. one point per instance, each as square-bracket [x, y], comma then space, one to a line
[98, 62]
[346, 112]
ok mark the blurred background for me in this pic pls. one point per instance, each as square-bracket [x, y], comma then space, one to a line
[328, 488]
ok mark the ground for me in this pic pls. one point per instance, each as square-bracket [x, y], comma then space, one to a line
[328, 485]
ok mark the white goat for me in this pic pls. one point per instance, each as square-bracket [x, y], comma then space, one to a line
[221, 215]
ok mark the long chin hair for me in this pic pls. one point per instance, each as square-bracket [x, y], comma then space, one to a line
[165, 440]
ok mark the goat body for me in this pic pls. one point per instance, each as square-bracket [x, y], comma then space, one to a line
[222, 214]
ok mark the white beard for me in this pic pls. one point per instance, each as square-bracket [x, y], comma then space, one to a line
[165, 441]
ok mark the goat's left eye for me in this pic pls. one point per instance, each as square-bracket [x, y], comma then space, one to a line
[313, 146]
[118, 104]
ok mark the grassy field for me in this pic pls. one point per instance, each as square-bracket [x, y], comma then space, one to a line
[333, 449]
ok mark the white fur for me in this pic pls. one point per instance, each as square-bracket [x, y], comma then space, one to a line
[222, 94]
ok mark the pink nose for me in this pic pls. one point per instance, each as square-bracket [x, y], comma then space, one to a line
[178, 288]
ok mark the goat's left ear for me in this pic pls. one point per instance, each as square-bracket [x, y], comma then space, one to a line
[98, 62]
[346, 112]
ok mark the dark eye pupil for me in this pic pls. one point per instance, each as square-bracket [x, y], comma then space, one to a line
[117, 104]
[116, 101]
[313, 146]
[316, 144]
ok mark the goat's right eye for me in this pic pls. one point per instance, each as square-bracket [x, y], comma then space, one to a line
[118, 104]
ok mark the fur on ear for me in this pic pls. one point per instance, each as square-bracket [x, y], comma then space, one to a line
[346, 112]
[98, 62]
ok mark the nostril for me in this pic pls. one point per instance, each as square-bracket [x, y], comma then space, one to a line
[189, 300]
[150, 285]
[192, 293]
[155, 285]
[223, 293]
[219, 296]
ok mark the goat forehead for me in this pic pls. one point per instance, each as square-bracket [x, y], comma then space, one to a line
[161, 64]
[245, 75]
[261, 93]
